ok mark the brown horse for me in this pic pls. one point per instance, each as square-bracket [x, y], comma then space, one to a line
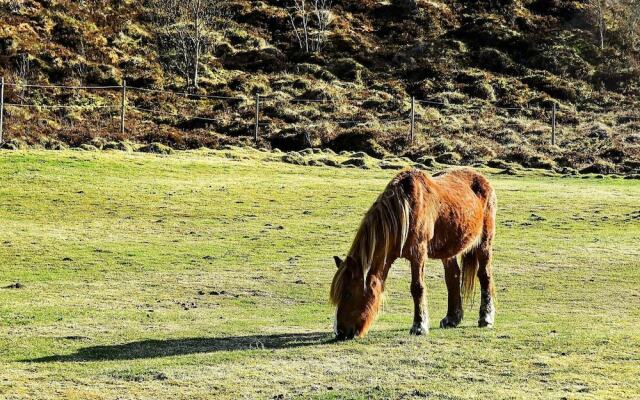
[418, 217]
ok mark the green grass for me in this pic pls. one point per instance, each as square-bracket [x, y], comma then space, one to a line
[119, 253]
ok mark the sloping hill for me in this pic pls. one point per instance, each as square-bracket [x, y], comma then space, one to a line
[465, 59]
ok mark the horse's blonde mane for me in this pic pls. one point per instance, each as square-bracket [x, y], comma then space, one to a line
[384, 226]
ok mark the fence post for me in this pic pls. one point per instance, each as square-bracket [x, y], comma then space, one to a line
[553, 125]
[1, 107]
[123, 102]
[413, 119]
[257, 117]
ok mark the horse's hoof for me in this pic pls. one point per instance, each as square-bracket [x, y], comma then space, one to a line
[448, 322]
[419, 330]
[485, 324]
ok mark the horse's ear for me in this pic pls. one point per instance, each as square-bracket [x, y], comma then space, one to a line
[356, 273]
[350, 260]
[337, 260]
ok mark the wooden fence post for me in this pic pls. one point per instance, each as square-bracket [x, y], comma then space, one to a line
[1, 107]
[413, 119]
[553, 125]
[123, 102]
[257, 118]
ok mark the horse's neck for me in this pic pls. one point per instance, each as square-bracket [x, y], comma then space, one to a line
[382, 265]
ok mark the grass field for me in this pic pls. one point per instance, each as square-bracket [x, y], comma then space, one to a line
[202, 276]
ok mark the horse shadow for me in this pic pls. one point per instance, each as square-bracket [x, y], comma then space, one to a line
[154, 348]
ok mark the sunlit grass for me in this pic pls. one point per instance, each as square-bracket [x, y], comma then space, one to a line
[203, 276]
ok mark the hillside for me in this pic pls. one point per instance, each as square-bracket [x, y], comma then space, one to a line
[490, 76]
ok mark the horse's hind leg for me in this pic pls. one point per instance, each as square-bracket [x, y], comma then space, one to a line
[485, 276]
[485, 273]
[454, 309]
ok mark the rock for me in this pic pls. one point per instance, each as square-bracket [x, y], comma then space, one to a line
[329, 162]
[599, 167]
[449, 158]
[498, 163]
[347, 69]
[121, 146]
[156, 148]
[631, 166]
[88, 147]
[267, 60]
[391, 165]
[356, 162]
[427, 161]
[406, 5]
[294, 158]
[566, 171]
[14, 144]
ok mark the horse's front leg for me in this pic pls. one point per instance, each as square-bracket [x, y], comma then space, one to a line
[418, 291]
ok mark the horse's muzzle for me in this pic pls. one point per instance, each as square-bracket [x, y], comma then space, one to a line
[346, 334]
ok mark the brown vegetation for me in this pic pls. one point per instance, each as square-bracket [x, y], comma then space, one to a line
[468, 56]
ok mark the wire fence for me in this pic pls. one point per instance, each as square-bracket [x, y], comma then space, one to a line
[119, 103]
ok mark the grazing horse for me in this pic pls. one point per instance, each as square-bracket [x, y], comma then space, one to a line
[417, 217]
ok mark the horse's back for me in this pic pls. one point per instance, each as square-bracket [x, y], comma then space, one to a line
[465, 179]
[458, 200]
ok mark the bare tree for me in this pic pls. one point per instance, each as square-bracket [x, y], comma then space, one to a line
[81, 68]
[310, 20]
[600, 7]
[184, 32]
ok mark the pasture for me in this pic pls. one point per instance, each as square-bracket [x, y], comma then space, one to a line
[206, 275]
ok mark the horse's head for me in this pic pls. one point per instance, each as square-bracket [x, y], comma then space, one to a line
[356, 296]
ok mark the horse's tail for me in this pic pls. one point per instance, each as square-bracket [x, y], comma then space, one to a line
[470, 267]
[470, 260]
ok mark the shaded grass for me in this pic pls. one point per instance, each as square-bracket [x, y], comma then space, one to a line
[206, 274]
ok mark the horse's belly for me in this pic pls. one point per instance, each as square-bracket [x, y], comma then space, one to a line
[451, 238]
